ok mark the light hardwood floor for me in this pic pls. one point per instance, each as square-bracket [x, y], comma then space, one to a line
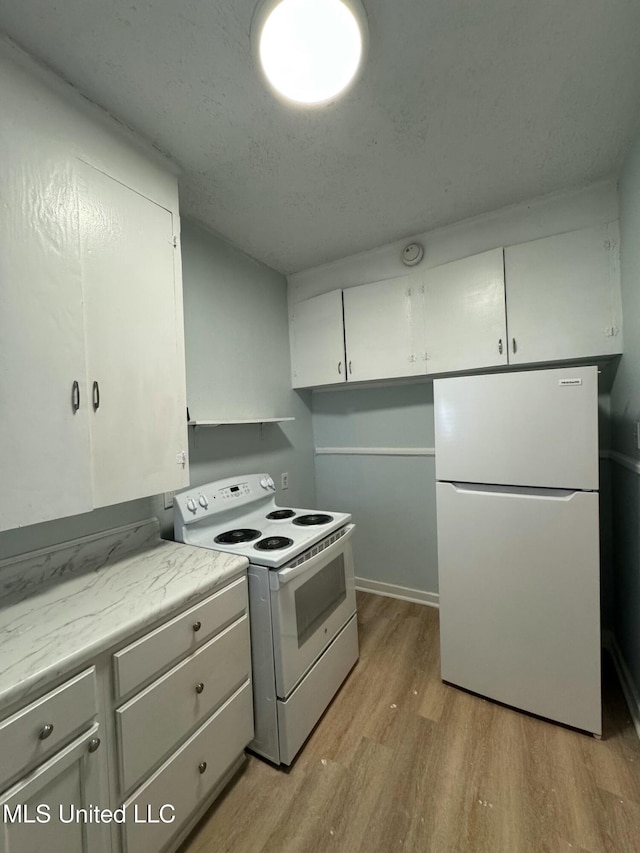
[402, 762]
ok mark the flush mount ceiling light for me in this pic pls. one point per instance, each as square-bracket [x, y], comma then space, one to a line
[309, 50]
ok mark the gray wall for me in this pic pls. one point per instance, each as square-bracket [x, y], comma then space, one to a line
[391, 498]
[237, 351]
[238, 367]
[625, 410]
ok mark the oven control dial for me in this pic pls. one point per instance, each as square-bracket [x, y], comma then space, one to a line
[264, 482]
[191, 505]
[203, 502]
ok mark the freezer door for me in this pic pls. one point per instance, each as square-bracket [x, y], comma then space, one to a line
[520, 598]
[531, 428]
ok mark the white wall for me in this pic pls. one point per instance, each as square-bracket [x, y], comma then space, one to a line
[237, 350]
[542, 217]
[625, 410]
[396, 493]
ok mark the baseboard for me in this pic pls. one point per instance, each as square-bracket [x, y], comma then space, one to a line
[404, 593]
[628, 687]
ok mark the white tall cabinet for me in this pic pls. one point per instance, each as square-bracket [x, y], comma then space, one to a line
[90, 306]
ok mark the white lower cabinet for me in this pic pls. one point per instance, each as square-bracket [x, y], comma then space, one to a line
[190, 776]
[40, 812]
[177, 740]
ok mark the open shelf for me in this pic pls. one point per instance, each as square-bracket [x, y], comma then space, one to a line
[199, 423]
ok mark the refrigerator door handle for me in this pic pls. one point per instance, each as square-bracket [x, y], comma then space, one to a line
[516, 491]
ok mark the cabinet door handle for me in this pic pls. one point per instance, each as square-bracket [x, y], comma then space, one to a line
[340, 368]
[199, 687]
[500, 346]
[350, 371]
[514, 344]
[75, 396]
[96, 396]
[197, 626]
[202, 766]
[45, 731]
[94, 743]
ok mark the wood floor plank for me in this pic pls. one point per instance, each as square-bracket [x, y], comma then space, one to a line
[402, 762]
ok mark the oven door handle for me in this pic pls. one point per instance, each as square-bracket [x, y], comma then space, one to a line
[277, 578]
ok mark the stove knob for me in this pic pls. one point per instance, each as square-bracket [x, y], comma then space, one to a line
[191, 505]
[203, 502]
[264, 482]
[271, 484]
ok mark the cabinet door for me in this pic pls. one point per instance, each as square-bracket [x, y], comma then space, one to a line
[563, 296]
[316, 334]
[134, 342]
[45, 470]
[464, 314]
[383, 329]
[38, 810]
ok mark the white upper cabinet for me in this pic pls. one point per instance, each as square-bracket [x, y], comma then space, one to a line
[316, 333]
[90, 292]
[464, 314]
[383, 329]
[563, 296]
[44, 428]
[132, 320]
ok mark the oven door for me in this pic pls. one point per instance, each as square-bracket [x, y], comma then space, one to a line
[310, 603]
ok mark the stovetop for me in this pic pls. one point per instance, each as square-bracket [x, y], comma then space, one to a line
[240, 515]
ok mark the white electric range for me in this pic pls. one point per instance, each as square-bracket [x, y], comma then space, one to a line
[302, 603]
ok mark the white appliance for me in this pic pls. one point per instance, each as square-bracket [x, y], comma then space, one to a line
[302, 601]
[518, 540]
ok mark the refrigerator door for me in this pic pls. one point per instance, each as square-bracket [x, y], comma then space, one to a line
[531, 428]
[520, 598]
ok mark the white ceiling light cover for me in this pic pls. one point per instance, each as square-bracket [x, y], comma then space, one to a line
[310, 50]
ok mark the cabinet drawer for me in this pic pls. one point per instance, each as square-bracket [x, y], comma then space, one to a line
[152, 723]
[157, 650]
[181, 783]
[34, 732]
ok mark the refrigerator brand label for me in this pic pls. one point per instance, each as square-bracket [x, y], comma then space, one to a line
[570, 382]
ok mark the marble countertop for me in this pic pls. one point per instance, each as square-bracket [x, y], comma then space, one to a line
[61, 607]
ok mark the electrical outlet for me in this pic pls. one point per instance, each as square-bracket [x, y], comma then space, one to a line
[168, 499]
[285, 480]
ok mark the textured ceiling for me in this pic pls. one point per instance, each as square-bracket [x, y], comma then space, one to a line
[463, 107]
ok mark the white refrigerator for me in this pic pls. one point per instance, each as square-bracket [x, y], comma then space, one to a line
[518, 540]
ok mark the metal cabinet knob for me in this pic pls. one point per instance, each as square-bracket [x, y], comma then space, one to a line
[514, 344]
[199, 687]
[75, 396]
[500, 346]
[350, 370]
[45, 731]
[94, 743]
[197, 626]
[96, 396]
[340, 368]
[202, 766]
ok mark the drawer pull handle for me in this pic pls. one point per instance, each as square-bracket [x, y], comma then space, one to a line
[202, 766]
[94, 743]
[45, 731]
[199, 687]
[197, 626]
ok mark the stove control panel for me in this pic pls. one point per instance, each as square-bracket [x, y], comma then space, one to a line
[231, 493]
